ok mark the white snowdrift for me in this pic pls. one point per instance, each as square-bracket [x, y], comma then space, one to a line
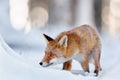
[15, 67]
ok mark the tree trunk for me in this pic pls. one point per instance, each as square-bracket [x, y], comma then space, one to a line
[85, 12]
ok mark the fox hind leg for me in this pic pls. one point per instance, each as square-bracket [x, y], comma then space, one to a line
[96, 57]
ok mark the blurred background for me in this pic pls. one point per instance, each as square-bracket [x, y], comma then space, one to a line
[22, 22]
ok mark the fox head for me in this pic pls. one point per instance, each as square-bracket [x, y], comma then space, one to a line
[55, 50]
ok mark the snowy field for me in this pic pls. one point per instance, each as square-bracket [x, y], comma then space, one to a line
[21, 53]
[24, 65]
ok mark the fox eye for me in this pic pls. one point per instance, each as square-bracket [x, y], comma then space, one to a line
[51, 54]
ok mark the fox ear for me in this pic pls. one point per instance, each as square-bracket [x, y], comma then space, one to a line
[48, 38]
[63, 41]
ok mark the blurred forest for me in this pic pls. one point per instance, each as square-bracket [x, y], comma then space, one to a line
[104, 14]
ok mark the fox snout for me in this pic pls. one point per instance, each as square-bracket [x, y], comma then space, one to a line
[48, 63]
[48, 60]
[45, 64]
[41, 63]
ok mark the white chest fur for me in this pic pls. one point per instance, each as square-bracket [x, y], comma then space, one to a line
[78, 57]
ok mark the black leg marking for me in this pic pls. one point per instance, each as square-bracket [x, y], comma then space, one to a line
[87, 71]
[96, 72]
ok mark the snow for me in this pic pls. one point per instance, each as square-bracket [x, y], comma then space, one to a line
[15, 67]
[20, 60]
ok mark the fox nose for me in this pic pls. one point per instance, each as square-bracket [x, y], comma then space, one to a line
[41, 63]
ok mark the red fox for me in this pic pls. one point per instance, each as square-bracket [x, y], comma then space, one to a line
[81, 44]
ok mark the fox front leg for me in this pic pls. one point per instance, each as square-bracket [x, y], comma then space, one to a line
[67, 65]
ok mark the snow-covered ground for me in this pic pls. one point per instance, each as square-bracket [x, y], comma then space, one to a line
[20, 60]
[24, 65]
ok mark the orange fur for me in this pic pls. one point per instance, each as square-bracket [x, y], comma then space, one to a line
[83, 39]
